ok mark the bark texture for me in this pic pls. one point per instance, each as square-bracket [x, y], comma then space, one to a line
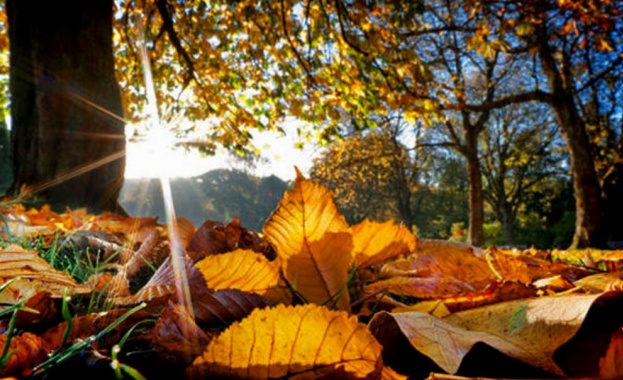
[68, 134]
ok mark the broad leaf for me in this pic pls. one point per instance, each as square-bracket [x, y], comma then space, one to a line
[305, 341]
[376, 242]
[243, 270]
[176, 337]
[313, 242]
[529, 330]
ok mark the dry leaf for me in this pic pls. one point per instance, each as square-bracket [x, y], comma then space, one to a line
[601, 282]
[176, 337]
[305, 341]
[527, 269]
[528, 330]
[442, 258]
[28, 351]
[241, 269]
[611, 364]
[213, 238]
[313, 242]
[226, 306]
[33, 274]
[376, 242]
[88, 325]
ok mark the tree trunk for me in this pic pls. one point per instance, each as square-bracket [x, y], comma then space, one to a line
[68, 134]
[508, 224]
[476, 203]
[5, 157]
[588, 224]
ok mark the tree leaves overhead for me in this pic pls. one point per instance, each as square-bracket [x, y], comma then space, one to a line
[304, 341]
[313, 242]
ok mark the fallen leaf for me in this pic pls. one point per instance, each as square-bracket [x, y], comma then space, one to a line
[38, 309]
[305, 341]
[442, 258]
[176, 337]
[213, 238]
[528, 330]
[601, 282]
[28, 350]
[33, 274]
[313, 242]
[241, 269]
[84, 326]
[526, 269]
[226, 306]
[611, 364]
[374, 243]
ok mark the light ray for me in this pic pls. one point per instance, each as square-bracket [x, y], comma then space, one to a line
[162, 145]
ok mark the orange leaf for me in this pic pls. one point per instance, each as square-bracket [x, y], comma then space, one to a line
[242, 269]
[306, 341]
[28, 351]
[313, 242]
[375, 242]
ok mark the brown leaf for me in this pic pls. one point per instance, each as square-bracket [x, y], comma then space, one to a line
[39, 308]
[611, 364]
[526, 269]
[226, 306]
[421, 287]
[313, 242]
[176, 337]
[28, 350]
[33, 274]
[213, 238]
[529, 330]
[374, 243]
[306, 341]
[163, 284]
[442, 258]
[87, 325]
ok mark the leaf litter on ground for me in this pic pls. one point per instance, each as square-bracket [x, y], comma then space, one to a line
[310, 296]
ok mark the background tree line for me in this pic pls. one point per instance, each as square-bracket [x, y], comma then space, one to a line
[496, 86]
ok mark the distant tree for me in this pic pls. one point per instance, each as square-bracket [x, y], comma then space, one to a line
[520, 150]
[374, 174]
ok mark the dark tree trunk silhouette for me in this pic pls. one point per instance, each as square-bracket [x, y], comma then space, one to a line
[68, 134]
[589, 231]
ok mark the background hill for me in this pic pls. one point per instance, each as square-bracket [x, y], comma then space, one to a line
[220, 195]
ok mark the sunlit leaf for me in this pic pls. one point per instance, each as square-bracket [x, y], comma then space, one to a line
[375, 242]
[241, 269]
[530, 330]
[306, 341]
[313, 242]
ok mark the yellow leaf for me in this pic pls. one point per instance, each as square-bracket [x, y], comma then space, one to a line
[313, 242]
[376, 242]
[307, 341]
[242, 269]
